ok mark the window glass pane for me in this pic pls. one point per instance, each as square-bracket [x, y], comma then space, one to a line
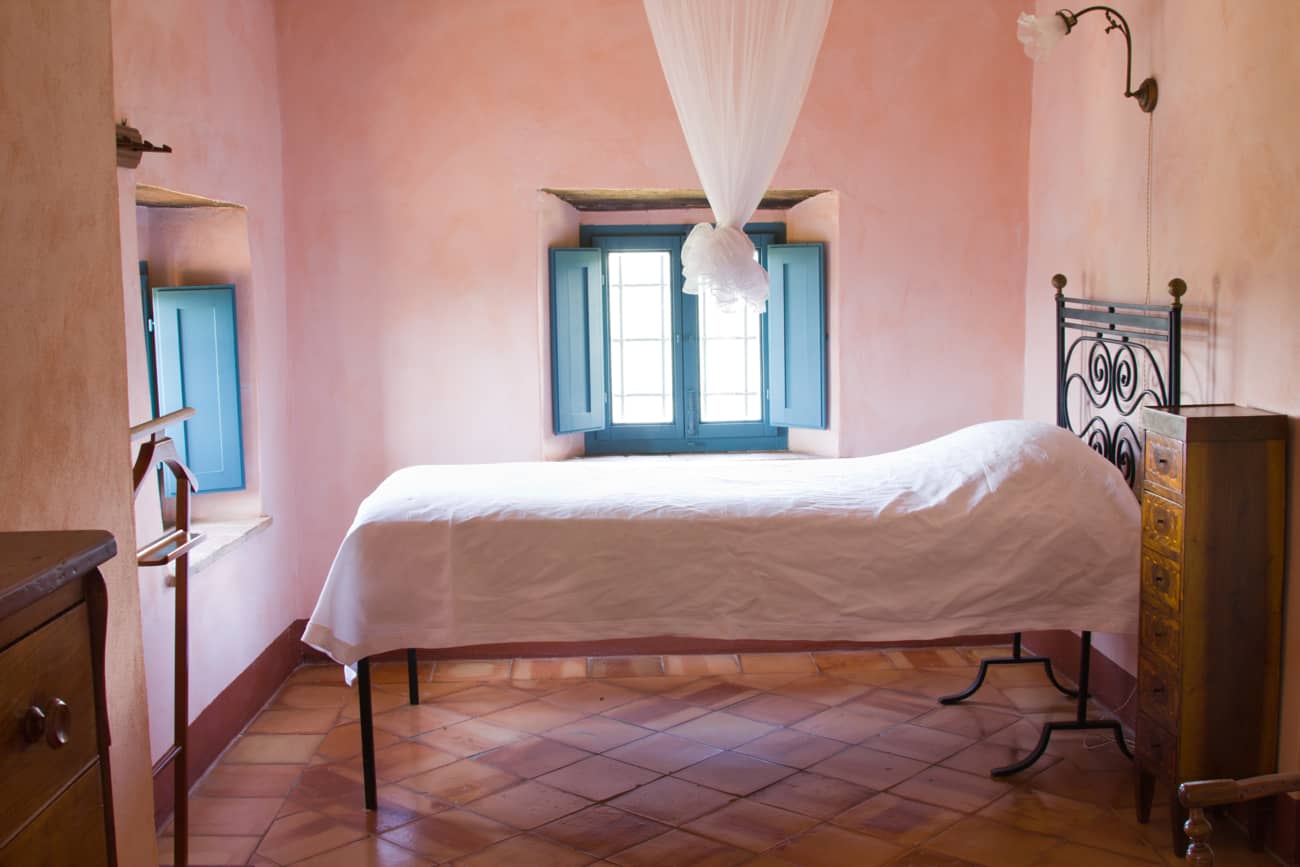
[730, 362]
[640, 330]
[641, 311]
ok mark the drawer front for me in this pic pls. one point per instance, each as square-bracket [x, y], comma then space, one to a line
[1162, 524]
[1160, 634]
[1158, 690]
[69, 831]
[1162, 463]
[1162, 579]
[49, 666]
[1157, 749]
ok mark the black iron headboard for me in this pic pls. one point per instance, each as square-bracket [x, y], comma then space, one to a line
[1122, 357]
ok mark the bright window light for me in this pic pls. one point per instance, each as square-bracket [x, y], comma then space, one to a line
[640, 337]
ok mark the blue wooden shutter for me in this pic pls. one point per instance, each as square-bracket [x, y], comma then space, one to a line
[198, 366]
[796, 335]
[577, 340]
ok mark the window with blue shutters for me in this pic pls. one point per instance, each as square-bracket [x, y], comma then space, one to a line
[643, 368]
[196, 357]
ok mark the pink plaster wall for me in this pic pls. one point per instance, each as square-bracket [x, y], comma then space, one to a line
[1225, 215]
[64, 459]
[412, 161]
[202, 78]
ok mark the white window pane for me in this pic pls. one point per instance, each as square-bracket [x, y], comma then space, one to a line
[724, 366]
[643, 267]
[723, 407]
[615, 312]
[641, 359]
[646, 410]
[730, 363]
[642, 311]
[643, 367]
[717, 322]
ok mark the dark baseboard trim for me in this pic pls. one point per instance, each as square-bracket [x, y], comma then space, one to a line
[222, 720]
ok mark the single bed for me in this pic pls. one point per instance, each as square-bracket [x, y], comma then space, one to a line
[997, 528]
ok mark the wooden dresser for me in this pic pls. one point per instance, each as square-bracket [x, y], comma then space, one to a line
[55, 798]
[1213, 536]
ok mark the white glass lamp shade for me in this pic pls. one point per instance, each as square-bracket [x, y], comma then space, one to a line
[1039, 35]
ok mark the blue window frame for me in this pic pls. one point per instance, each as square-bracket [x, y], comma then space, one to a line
[684, 429]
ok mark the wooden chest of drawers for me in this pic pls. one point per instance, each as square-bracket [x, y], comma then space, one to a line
[1213, 532]
[55, 799]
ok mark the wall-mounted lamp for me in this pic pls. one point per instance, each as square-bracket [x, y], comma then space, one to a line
[1040, 35]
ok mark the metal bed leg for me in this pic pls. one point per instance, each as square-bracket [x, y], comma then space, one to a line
[367, 733]
[1079, 723]
[1017, 657]
[412, 676]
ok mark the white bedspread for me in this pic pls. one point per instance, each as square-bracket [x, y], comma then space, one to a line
[1004, 526]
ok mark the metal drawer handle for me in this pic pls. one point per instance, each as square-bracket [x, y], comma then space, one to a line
[58, 733]
[34, 725]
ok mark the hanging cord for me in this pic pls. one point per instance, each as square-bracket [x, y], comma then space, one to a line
[1096, 743]
[1151, 137]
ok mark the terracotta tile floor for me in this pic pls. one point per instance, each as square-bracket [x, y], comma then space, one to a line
[834, 759]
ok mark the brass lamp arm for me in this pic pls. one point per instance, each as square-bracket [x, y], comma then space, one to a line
[1147, 92]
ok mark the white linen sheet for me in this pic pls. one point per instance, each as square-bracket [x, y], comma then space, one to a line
[1000, 527]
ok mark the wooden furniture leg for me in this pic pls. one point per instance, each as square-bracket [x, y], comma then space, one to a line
[1178, 819]
[1145, 784]
[1259, 816]
[1198, 830]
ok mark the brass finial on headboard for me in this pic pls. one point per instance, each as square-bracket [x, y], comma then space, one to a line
[1178, 288]
[1059, 281]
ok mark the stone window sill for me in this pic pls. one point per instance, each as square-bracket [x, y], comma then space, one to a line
[220, 538]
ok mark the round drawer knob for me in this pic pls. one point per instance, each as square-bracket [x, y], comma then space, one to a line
[59, 730]
[33, 725]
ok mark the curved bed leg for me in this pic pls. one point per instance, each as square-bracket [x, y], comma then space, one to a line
[367, 733]
[1017, 657]
[412, 676]
[1051, 675]
[974, 687]
[1079, 723]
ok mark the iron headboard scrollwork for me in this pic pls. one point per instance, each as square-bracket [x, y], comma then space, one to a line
[1117, 357]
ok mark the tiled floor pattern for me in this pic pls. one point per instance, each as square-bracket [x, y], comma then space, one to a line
[825, 760]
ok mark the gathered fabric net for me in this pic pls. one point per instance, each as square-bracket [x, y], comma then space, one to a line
[738, 71]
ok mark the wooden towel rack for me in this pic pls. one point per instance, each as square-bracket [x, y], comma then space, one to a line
[173, 548]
